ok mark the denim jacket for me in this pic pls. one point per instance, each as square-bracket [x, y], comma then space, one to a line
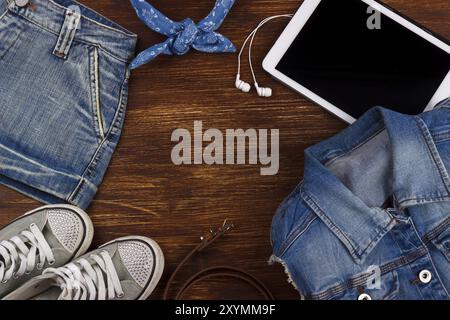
[371, 218]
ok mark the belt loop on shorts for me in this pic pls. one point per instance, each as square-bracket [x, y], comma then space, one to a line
[68, 31]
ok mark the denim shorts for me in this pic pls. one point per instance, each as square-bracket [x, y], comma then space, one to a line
[64, 73]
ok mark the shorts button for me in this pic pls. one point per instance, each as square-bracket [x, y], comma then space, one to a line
[22, 3]
[425, 276]
[364, 296]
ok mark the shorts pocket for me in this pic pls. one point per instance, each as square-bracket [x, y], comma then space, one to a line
[108, 85]
[10, 31]
[94, 75]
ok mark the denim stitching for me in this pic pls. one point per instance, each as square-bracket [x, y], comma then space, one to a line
[41, 27]
[437, 231]
[341, 153]
[4, 15]
[94, 98]
[440, 136]
[66, 34]
[442, 140]
[95, 94]
[430, 258]
[422, 200]
[128, 33]
[341, 235]
[360, 280]
[122, 105]
[435, 154]
[105, 143]
[380, 234]
[386, 268]
[297, 233]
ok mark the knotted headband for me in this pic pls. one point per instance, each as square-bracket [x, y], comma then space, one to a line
[182, 36]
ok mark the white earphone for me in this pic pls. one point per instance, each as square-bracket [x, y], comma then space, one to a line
[245, 86]
[242, 85]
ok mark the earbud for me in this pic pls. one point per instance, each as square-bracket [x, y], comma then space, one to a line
[242, 85]
[263, 92]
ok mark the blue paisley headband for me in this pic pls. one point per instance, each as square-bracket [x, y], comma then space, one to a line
[182, 36]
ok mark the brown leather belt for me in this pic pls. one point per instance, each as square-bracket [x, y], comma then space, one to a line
[213, 272]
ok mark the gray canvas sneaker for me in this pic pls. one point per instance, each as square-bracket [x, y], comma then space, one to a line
[47, 236]
[124, 269]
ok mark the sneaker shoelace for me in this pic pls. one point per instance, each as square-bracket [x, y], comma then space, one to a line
[23, 253]
[83, 279]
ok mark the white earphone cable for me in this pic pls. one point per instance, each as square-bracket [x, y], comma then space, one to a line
[245, 43]
[252, 36]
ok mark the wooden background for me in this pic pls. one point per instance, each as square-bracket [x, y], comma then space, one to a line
[145, 194]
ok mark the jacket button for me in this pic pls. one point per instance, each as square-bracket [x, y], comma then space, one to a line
[425, 276]
[364, 296]
[21, 3]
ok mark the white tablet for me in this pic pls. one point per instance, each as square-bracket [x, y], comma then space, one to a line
[349, 56]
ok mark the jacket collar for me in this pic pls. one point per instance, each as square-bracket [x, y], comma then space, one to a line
[419, 176]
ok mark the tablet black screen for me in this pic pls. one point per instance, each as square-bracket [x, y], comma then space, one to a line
[343, 57]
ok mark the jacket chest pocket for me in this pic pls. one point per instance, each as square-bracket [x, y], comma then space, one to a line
[442, 242]
[385, 287]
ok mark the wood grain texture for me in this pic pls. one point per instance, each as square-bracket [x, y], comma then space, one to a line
[145, 194]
